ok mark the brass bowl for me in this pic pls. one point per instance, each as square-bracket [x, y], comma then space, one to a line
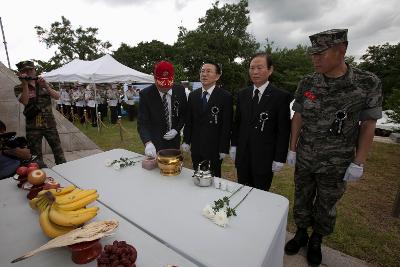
[170, 162]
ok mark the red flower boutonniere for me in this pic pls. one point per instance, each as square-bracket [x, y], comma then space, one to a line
[310, 95]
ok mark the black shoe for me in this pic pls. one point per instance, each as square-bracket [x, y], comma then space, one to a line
[299, 240]
[314, 254]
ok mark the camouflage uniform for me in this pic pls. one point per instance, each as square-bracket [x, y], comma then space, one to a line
[323, 155]
[42, 125]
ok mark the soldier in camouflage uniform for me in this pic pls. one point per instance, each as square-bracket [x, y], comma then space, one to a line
[336, 109]
[43, 124]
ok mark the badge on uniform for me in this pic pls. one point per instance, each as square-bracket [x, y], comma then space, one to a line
[263, 119]
[214, 113]
[338, 123]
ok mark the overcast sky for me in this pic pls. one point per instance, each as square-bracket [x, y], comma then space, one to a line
[286, 22]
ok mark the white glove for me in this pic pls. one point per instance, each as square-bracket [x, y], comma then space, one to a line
[276, 166]
[185, 147]
[232, 152]
[353, 173]
[150, 150]
[170, 134]
[222, 155]
[291, 158]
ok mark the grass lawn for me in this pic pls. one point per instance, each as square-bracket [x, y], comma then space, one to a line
[364, 229]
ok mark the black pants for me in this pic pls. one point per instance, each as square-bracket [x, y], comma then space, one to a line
[131, 112]
[79, 113]
[215, 165]
[248, 176]
[93, 116]
[114, 114]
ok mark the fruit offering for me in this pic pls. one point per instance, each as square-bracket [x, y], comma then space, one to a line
[36, 177]
[118, 254]
[64, 209]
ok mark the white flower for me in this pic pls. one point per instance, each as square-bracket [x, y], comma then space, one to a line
[221, 218]
[108, 162]
[116, 166]
[208, 212]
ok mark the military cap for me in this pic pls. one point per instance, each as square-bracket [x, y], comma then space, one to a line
[326, 39]
[26, 64]
[164, 74]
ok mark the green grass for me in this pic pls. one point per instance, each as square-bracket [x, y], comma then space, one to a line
[364, 229]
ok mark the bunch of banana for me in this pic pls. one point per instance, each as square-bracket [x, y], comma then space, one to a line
[64, 209]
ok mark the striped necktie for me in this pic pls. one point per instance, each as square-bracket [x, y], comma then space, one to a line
[166, 110]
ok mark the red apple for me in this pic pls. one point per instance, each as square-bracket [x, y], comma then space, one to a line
[31, 169]
[33, 164]
[36, 177]
[22, 171]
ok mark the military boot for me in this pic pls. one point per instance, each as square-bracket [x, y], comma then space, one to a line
[314, 254]
[299, 240]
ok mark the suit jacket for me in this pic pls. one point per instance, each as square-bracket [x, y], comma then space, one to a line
[151, 122]
[264, 143]
[208, 131]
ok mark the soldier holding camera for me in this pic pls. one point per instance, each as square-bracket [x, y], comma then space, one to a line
[35, 94]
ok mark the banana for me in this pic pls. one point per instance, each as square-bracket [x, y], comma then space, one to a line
[42, 203]
[50, 229]
[74, 196]
[71, 219]
[58, 191]
[74, 212]
[76, 205]
[33, 203]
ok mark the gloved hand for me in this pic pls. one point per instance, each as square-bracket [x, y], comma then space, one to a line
[170, 134]
[291, 158]
[232, 153]
[150, 150]
[353, 173]
[276, 166]
[185, 147]
[222, 155]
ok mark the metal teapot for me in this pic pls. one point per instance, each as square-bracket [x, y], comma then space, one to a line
[202, 176]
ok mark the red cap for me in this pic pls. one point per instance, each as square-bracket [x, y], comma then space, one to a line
[164, 74]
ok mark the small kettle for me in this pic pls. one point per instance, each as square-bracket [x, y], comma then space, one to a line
[202, 176]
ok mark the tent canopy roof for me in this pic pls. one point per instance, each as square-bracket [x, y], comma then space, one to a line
[102, 70]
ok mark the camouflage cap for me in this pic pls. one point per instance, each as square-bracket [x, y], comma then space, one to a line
[326, 39]
[26, 64]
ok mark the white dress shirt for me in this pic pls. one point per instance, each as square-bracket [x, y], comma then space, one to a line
[209, 91]
[261, 90]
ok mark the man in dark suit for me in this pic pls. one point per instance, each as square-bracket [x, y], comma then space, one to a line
[162, 110]
[261, 127]
[209, 119]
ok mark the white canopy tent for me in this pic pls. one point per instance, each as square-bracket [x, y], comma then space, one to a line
[103, 70]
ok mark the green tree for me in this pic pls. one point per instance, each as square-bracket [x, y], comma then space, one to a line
[220, 37]
[393, 103]
[384, 61]
[71, 43]
[143, 56]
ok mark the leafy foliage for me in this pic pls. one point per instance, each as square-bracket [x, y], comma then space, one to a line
[384, 61]
[70, 43]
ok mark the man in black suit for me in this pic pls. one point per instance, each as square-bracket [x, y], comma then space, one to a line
[261, 127]
[162, 110]
[209, 119]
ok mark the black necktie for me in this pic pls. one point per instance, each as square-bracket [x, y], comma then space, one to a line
[204, 99]
[254, 102]
[166, 110]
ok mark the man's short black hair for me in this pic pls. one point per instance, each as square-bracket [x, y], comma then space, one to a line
[3, 127]
[217, 66]
[267, 57]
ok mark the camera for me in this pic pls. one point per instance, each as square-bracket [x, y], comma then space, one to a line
[28, 78]
[9, 140]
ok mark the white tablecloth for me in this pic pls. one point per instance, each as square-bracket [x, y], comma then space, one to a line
[21, 232]
[170, 209]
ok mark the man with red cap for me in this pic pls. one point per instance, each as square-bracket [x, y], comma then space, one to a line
[162, 110]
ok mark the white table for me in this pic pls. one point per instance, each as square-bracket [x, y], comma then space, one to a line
[170, 209]
[20, 233]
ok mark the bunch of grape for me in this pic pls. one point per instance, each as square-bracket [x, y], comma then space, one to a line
[118, 254]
